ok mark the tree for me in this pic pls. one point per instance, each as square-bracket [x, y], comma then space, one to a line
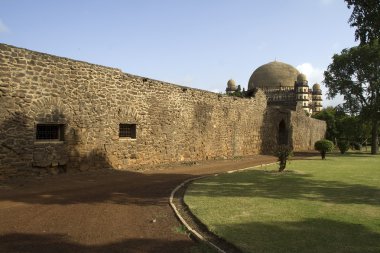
[355, 74]
[344, 127]
[343, 146]
[324, 146]
[283, 153]
[366, 18]
[328, 115]
[352, 128]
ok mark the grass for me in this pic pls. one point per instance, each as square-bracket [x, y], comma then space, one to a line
[180, 230]
[316, 205]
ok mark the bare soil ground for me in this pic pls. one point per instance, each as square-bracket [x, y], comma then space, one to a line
[101, 211]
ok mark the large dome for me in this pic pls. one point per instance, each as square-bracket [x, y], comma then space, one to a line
[273, 75]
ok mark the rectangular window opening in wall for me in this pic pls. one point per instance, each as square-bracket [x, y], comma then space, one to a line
[127, 131]
[50, 132]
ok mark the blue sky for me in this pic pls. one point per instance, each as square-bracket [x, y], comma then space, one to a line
[197, 43]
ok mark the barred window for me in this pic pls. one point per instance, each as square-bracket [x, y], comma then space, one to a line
[50, 132]
[127, 131]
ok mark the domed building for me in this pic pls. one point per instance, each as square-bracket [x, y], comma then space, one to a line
[285, 86]
[273, 75]
[231, 86]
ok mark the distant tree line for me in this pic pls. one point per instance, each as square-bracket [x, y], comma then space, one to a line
[343, 128]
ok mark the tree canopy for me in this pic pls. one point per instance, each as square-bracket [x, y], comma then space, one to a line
[366, 18]
[342, 126]
[329, 115]
[355, 74]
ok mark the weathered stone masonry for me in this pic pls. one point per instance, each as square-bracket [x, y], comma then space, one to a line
[173, 123]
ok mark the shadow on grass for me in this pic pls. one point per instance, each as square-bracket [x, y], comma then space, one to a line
[287, 185]
[351, 154]
[309, 236]
[59, 243]
[317, 155]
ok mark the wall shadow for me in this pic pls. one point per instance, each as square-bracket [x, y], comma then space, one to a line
[84, 177]
[308, 236]
[48, 243]
[288, 185]
[98, 186]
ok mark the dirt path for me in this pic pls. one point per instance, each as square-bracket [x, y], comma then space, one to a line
[100, 211]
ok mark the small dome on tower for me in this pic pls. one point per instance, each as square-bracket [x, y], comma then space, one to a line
[231, 84]
[316, 86]
[317, 89]
[301, 78]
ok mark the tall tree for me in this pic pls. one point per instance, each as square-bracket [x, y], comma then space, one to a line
[366, 18]
[328, 115]
[355, 74]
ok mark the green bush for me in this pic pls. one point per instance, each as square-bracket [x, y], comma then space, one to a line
[343, 146]
[324, 146]
[283, 153]
[356, 145]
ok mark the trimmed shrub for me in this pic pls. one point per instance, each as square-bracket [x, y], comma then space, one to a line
[343, 146]
[283, 153]
[324, 146]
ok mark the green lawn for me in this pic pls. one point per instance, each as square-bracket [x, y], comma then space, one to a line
[316, 205]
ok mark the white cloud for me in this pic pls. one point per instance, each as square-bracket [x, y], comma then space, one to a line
[3, 27]
[315, 75]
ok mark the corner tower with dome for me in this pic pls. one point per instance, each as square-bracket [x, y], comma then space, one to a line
[285, 86]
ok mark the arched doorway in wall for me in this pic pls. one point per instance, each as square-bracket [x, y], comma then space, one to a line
[282, 134]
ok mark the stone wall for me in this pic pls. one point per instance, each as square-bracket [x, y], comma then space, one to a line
[301, 131]
[174, 123]
[272, 117]
[306, 131]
